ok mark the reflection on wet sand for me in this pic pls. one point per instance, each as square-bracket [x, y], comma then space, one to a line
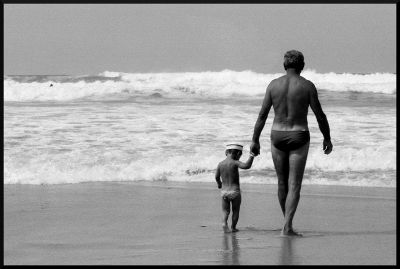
[231, 249]
[287, 253]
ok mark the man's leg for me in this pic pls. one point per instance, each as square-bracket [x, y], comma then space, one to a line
[281, 163]
[297, 163]
[235, 211]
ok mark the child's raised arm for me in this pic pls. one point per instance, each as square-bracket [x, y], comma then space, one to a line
[248, 163]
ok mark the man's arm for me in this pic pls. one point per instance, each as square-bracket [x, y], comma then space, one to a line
[321, 119]
[262, 118]
[247, 164]
[218, 178]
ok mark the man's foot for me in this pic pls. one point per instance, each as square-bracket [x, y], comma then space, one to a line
[290, 232]
[234, 230]
[225, 228]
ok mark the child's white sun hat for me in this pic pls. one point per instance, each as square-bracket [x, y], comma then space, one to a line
[234, 145]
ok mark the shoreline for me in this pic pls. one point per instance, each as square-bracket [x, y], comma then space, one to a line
[307, 189]
[165, 223]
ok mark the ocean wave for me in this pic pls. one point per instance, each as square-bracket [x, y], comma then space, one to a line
[349, 167]
[177, 85]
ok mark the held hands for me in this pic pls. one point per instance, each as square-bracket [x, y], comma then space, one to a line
[327, 146]
[255, 148]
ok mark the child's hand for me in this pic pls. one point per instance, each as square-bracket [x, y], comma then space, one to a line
[219, 186]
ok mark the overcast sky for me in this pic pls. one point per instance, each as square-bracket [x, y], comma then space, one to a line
[82, 39]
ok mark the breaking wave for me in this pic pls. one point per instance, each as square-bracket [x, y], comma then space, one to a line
[225, 83]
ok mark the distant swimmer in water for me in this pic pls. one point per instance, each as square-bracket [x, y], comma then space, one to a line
[290, 95]
[230, 187]
[51, 85]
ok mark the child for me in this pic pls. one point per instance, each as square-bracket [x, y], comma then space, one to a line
[229, 172]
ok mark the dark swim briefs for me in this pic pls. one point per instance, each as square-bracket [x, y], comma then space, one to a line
[289, 140]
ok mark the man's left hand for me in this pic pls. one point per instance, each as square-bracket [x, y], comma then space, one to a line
[255, 148]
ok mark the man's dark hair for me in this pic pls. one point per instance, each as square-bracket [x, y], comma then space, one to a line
[293, 59]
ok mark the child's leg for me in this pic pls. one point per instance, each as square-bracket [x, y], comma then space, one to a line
[235, 211]
[225, 212]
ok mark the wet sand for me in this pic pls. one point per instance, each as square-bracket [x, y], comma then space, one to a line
[164, 223]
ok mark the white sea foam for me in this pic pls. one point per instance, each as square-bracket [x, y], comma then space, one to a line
[158, 139]
[343, 167]
[201, 84]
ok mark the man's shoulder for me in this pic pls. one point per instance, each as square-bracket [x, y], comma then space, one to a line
[279, 79]
[276, 82]
[307, 82]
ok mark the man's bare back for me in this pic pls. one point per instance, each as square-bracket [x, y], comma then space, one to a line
[290, 99]
[291, 95]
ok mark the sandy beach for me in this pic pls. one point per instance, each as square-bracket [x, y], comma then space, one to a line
[164, 223]
[116, 118]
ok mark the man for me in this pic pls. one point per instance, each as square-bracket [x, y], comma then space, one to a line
[290, 95]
